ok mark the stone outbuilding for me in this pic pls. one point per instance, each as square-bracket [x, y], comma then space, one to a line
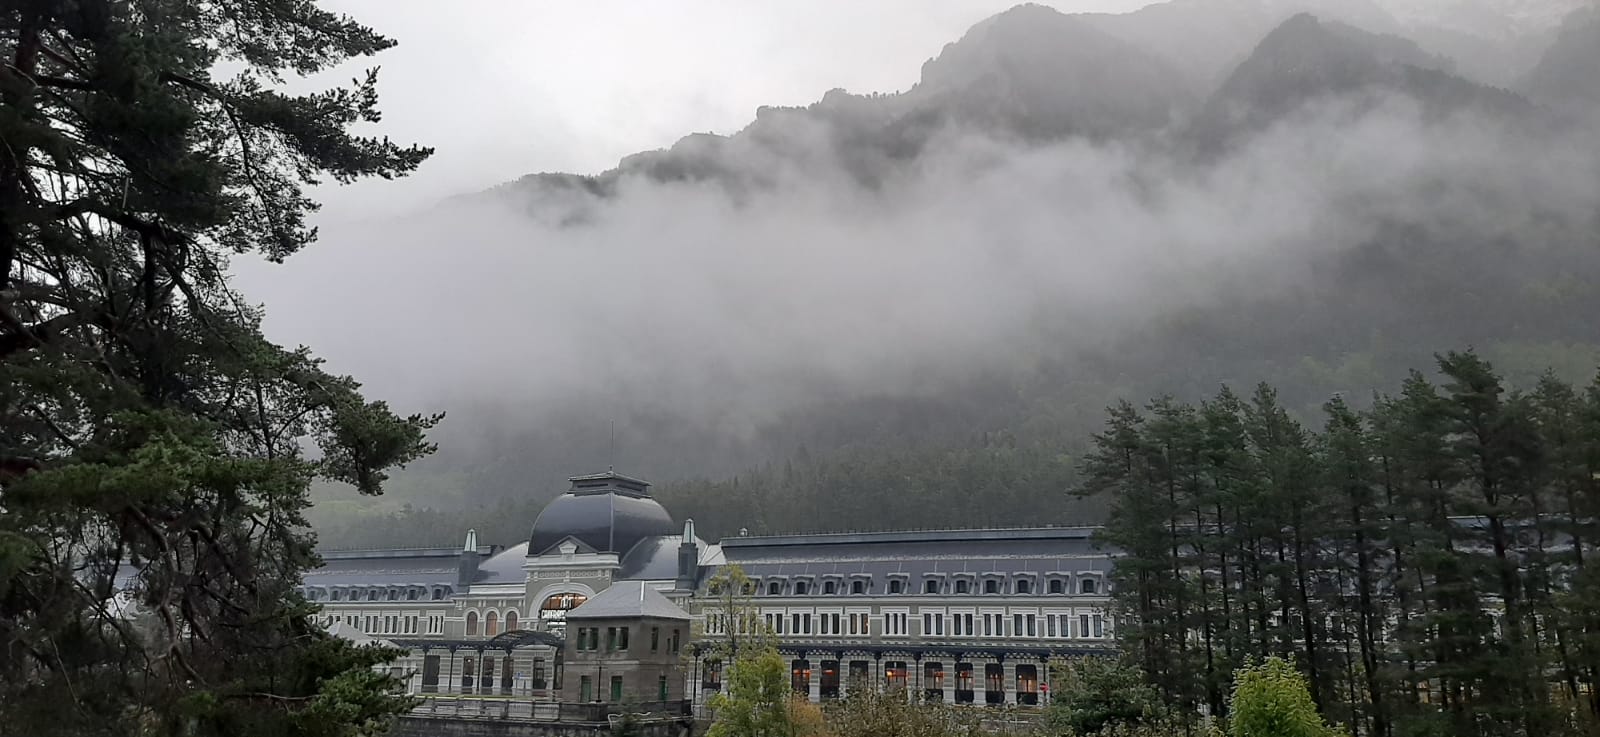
[625, 645]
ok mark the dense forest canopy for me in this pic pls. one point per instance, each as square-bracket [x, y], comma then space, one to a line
[879, 299]
[1429, 562]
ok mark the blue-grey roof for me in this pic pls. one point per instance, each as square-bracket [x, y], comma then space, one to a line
[385, 568]
[606, 521]
[504, 567]
[916, 554]
[628, 599]
[654, 558]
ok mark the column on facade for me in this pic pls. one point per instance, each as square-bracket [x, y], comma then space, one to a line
[1008, 670]
[814, 680]
[948, 682]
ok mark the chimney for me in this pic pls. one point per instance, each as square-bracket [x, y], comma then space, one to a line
[688, 559]
[467, 568]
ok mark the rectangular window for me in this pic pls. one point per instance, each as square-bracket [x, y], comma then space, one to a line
[1033, 626]
[623, 639]
[805, 619]
[1099, 626]
[1049, 625]
[794, 623]
[616, 688]
[1083, 625]
[988, 625]
[938, 625]
[835, 616]
[655, 639]
[1016, 625]
[927, 624]
[676, 642]
[661, 686]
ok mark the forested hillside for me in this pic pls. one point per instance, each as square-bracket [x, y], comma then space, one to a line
[911, 309]
[1440, 542]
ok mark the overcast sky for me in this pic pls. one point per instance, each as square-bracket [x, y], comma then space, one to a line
[504, 88]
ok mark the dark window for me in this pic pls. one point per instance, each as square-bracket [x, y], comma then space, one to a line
[1087, 586]
[963, 587]
[676, 643]
[393, 595]
[896, 586]
[661, 685]
[1024, 586]
[930, 586]
[991, 586]
[337, 594]
[801, 588]
[829, 587]
[411, 594]
[1057, 586]
[372, 595]
[655, 639]
[774, 588]
[858, 587]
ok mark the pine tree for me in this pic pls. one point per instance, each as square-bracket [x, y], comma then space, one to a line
[152, 470]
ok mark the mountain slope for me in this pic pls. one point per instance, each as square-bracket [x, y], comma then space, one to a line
[1307, 60]
[1568, 75]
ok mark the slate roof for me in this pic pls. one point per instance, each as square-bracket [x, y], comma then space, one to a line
[628, 599]
[654, 558]
[917, 554]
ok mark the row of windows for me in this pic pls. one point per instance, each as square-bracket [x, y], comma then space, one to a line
[491, 623]
[1023, 585]
[389, 624]
[616, 639]
[933, 624]
[376, 593]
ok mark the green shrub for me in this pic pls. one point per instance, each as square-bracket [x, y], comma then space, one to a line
[1270, 699]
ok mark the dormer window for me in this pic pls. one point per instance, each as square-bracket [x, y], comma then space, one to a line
[858, 587]
[829, 587]
[930, 586]
[372, 595]
[1058, 586]
[991, 586]
[338, 594]
[775, 588]
[897, 586]
[963, 586]
[801, 588]
[411, 594]
[1024, 586]
[1088, 586]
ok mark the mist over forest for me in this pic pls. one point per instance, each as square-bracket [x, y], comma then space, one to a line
[911, 309]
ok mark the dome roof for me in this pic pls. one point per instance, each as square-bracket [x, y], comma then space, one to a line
[608, 512]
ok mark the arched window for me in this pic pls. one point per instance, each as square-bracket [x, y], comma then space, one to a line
[511, 621]
[991, 586]
[1087, 586]
[472, 623]
[829, 587]
[1024, 586]
[774, 588]
[1057, 586]
[438, 593]
[491, 624]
